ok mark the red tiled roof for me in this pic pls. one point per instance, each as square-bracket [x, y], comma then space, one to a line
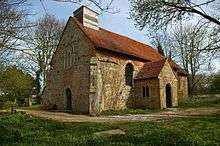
[105, 39]
[150, 70]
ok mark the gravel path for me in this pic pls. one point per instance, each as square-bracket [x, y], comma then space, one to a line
[163, 115]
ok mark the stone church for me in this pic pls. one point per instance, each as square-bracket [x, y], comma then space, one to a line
[94, 70]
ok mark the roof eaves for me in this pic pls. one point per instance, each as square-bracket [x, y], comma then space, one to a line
[122, 52]
[145, 78]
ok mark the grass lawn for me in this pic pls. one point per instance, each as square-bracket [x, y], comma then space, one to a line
[21, 129]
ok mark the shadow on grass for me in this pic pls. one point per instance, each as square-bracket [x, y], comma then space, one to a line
[128, 112]
[33, 107]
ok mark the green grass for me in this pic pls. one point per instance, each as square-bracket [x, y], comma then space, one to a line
[21, 129]
[200, 102]
[128, 112]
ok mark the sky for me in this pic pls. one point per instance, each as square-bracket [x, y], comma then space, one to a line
[118, 22]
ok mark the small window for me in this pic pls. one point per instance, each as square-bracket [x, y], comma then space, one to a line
[180, 83]
[74, 58]
[64, 61]
[129, 69]
[69, 59]
[145, 91]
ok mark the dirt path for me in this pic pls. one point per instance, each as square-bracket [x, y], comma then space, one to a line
[163, 115]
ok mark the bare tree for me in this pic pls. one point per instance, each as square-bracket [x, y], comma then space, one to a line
[13, 23]
[188, 43]
[2, 64]
[46, 38]
[159, 47]
[163, 42]
[160, 13]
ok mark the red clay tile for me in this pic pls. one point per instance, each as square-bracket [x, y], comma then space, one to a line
[150, 70]
[108, 40]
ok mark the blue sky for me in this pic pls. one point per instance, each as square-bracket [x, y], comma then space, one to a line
[118, 22]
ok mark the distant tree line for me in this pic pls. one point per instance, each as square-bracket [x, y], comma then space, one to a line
[15, 86]
[207, 84]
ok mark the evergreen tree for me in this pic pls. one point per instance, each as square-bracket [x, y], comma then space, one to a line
[15, 85]
[160, 49]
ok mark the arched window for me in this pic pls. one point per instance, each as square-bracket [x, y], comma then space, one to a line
[64, 60]
[180, 83]
[145, 91]
[69, 59]
[129, 69]
[73, 55]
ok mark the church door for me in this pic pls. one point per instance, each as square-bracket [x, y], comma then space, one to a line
[168, 96]
[68, 99]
